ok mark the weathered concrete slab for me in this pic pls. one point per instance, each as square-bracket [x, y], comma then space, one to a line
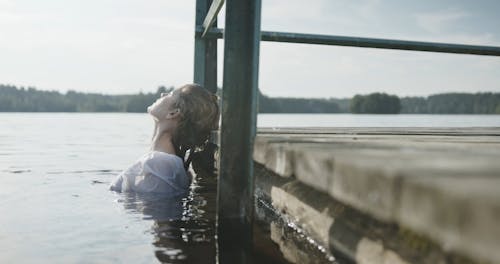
[443, 183]
[335, 227]
[462, 212]
[276, 155]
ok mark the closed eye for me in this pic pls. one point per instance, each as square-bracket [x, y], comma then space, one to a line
[166, 94]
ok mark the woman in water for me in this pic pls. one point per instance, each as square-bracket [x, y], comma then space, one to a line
[183, 121]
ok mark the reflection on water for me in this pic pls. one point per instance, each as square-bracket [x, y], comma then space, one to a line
[55, 206]
[153, 206]
[183, 225]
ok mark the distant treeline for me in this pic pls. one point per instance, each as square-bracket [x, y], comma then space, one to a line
[447, 103]
[452, 103]
[375, 103]
[302, 105]
[14, 99]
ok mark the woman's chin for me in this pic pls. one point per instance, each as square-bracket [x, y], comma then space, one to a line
[152, 113]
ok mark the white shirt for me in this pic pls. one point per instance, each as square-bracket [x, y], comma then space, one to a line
[156, 171]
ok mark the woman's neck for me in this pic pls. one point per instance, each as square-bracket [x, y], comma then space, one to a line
[162, 141]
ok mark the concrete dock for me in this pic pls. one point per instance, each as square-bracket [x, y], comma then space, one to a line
[385, 195]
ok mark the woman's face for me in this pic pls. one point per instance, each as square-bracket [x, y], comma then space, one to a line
[163, 106]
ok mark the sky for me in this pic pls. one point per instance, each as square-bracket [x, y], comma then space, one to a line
[127, 46]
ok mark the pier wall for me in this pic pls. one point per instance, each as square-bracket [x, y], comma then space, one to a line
[394, 195]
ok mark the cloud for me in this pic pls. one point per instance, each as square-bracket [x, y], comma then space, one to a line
[439, 21]
[17, 18]
[4, 3]
[368, 8]
[124, 46]
[448, 26]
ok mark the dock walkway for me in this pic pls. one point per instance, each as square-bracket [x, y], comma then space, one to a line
[386, 195]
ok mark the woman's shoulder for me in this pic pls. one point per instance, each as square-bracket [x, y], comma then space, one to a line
[162, 157]
[166, 166]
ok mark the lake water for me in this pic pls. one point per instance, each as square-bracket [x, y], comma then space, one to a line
[54, 202]
[350, 120]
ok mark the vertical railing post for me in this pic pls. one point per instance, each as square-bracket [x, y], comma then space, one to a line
[205, 51]
[239, 114]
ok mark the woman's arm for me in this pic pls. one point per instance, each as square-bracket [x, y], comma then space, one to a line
[116, 185]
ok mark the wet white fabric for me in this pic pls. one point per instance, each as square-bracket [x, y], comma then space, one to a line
[156, 171]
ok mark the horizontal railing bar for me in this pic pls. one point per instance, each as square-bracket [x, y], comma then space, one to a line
[369, 42]
[380, 43]
[212, 13]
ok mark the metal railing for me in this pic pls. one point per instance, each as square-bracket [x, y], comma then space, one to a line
[347, 41]
[242, 36]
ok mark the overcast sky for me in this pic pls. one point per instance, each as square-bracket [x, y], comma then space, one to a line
[126, 46]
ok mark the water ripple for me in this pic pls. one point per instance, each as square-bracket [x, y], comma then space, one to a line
[17, 171]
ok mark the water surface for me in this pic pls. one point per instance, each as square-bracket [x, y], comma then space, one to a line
[365, 120]
[55, 206]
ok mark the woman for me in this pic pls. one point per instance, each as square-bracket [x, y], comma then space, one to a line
[183, 121]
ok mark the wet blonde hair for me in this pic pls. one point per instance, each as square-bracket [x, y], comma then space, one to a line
[199, 115]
